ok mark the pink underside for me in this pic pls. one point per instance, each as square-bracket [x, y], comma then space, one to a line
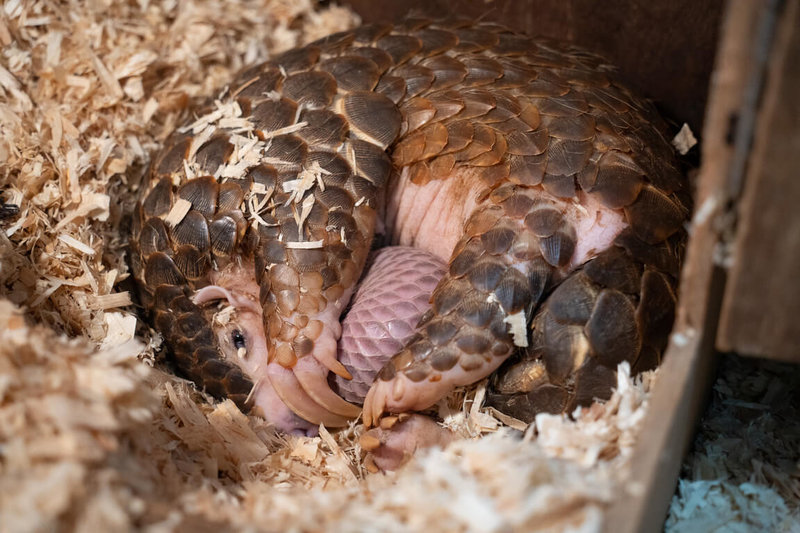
[432, 217]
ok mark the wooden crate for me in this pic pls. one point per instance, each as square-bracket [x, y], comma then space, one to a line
[731, 70]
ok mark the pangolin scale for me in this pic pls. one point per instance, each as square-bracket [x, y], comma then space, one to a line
[548, 188]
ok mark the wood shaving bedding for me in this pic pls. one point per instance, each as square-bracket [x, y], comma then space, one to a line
[744, 471]
[92, 437]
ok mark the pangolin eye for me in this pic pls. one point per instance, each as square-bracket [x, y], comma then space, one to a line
[238, 339]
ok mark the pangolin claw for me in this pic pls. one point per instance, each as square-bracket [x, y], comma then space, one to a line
[313, 378]
[290, 391]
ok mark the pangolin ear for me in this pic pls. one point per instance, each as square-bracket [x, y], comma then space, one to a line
[215, 292]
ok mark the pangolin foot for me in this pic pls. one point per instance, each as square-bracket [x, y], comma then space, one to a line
[396, 439]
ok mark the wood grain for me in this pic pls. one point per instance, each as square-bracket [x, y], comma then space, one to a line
[762, 297]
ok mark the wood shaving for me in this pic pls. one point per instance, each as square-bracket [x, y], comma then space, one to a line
[744, 471]
[92, 435]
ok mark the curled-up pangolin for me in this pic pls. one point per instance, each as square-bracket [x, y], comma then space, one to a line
[546, 189]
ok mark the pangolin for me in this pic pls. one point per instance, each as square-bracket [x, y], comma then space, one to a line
[548, 192]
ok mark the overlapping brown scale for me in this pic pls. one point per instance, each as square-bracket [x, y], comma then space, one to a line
[557, 249]
[493, 156]
[482, 70]
[416, 79]
[575, 300]
[352, 72]
[506, 108]
[520, 376]
[192, 262]
[654, 216]
[286, 151]
[516, 74]
[656, 309]
[230, 196]
[565, 157]
[392, 87]
[483, 140]
[609, 99]
[593, 381]
[521, 142]
[605, 141]
[412, 24]
[298, 59]
[372, 116]
[574, 128]
[369, 33]
[661, 257]
[366, 192]
[381, 59]
[256, 84]
[417, 112]
[517, 204]
[473, 39]
[335, 169]
[572, 104]
[400, 47]
[550, 54]
[649, 359]
[335, 43]
[271, 115]
[546, 85]
[153, 237]
[527, 170]
[213, 154]
[564, 350]
[459, 135]
[612, 330]
[448, 104]
[311, 88]
[371, 162]
[324, 128]
[509, 44]
[435, 41]
[158, 201]
[477, 103]
[588, 77]
[666, 177]
[335, 198]
[201, 193]
[161, 270]
[223, 233]
[264, 175]
[422, 144]
[559, 185]
[192, 231]
[485, 274]
[447, 71]
[616, 180]
[615, 269]
[171, 159]
[514, 291]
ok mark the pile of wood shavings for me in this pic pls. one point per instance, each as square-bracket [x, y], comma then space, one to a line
[744, 471]
[92, 438]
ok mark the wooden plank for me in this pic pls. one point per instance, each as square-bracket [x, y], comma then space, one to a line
[762, 297]
[685, 375]
[665, 49]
